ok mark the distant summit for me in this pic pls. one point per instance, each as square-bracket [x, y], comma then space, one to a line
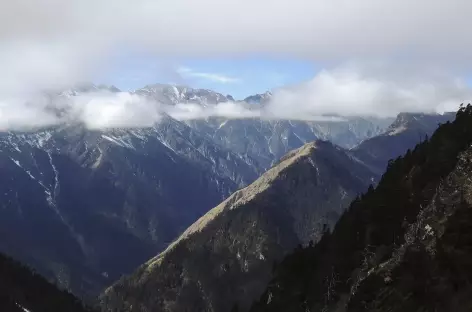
[405, 132]
[259, 98]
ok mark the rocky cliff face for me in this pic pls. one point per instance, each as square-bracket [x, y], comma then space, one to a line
[430, 271]
[226, 256]
[266, 141]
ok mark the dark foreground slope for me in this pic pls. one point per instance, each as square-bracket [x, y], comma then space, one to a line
[22, 290]
[405, 246]
[226, 257]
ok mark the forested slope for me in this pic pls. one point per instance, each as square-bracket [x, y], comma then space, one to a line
[403, 246]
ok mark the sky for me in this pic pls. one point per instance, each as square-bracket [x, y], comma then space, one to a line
[363, 57]
[238, 77]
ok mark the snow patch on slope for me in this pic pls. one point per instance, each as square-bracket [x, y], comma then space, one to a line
[120, 141]
[397, 130]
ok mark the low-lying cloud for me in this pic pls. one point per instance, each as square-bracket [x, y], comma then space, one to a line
[422, 48]
[371, 91]
[113, 110]
[104, 110]
[347, 91]
[96, 110]
[48, 44]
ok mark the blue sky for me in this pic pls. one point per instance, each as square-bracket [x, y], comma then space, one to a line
[239, 77]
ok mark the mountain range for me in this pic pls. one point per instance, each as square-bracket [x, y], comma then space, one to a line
[226, 257]
[83, 207]
[109, 200]
[264, 140]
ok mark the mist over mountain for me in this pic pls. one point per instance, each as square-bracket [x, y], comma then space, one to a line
[102, 107]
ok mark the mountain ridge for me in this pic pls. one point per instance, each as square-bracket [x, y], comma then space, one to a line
[244, 195]
[245, 234]
[406, 131]
[410, 239]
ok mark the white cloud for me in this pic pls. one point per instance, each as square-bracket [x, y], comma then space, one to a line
[114, 110]
[96, 110]
[87, 32]
[349, 90]
[55, 43]
[219, 78]
[377, 90]
[19, 114]
[105, 110]
[230, 110]
[312, 28]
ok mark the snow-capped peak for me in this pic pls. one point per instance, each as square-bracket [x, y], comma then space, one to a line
[259, 98]
[176, 94]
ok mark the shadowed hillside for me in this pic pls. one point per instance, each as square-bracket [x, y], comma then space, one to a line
[404, 246]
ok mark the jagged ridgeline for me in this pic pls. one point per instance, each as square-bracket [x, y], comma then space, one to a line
[23, 290]
[404, 246]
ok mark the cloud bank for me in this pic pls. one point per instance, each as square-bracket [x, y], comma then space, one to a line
[336, 29]
[350, 90]
[62, 41]
[96, 110]
[421, 49]
[376, 90]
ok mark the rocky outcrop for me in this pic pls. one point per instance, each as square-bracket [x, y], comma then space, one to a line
[430, 271]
